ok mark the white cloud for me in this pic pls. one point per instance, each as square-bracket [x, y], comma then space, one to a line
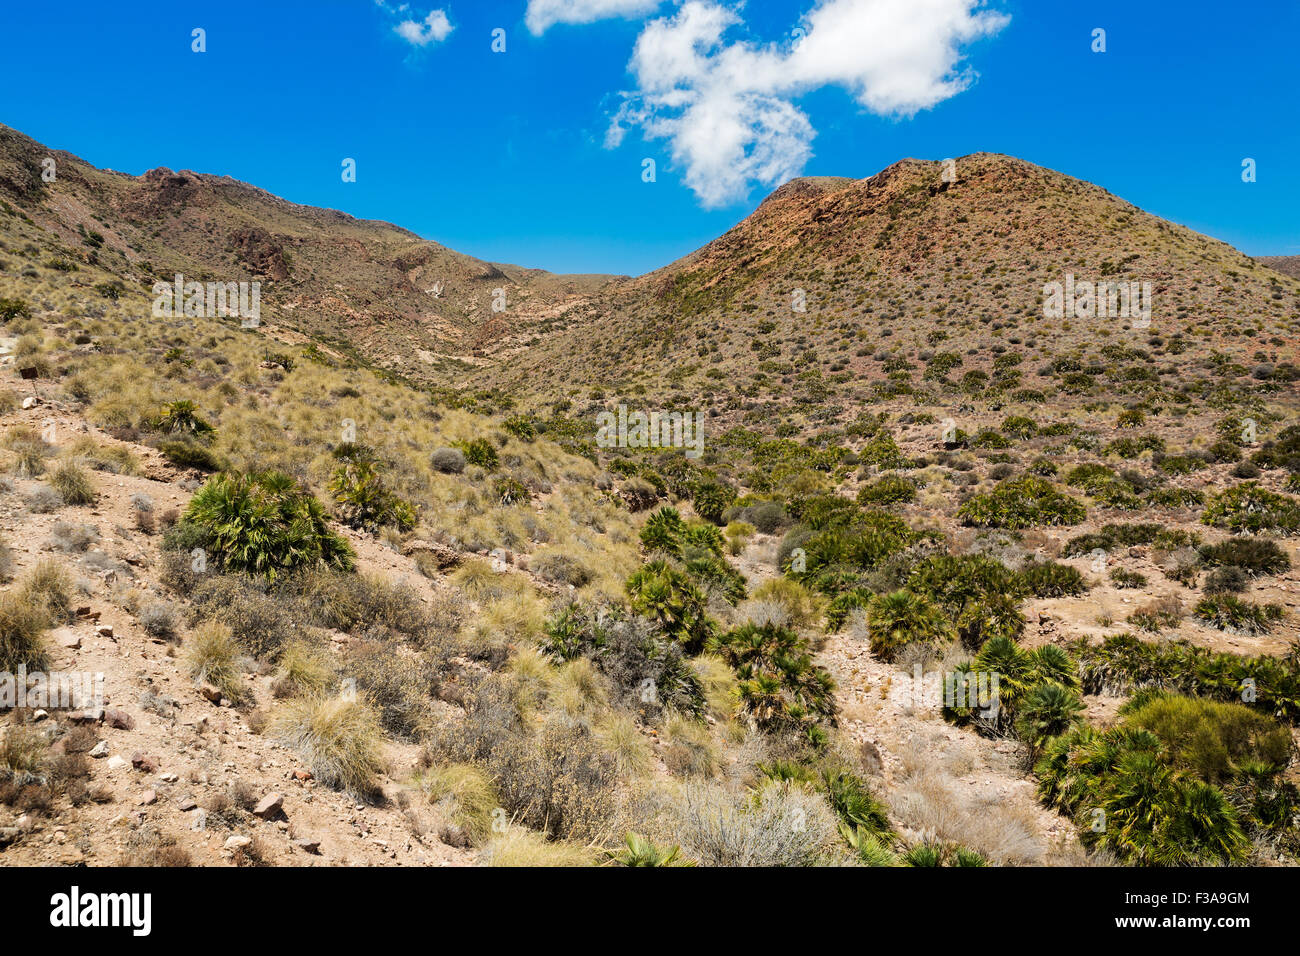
[433, 29]
[727, 108]
[544, 14]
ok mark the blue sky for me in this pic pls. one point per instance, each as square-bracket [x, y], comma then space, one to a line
[507, 156]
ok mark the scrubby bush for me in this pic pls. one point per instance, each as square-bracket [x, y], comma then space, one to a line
[449, 461]
[258, 622]
[1257, 556]
[188, 454]
[1122, 578]
[1248, 507]
[1228, 613]
[632, 653]
[73, 484]
[904, 618]
[888, 490]
[1022, 503]
[780, 689]
[264, 524]
[339, 739]
[1049, 579]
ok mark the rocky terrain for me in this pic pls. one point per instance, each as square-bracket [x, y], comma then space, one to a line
[367, 588]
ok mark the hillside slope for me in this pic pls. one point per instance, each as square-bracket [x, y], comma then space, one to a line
[889, 271]
[370, 287]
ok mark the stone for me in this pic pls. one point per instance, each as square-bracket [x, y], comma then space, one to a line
[119, 720]
[269, 806]
[104, 630]
[100, 750]
[31, 401]
[148, 798]
[187, 804]
[303, 775]
[308, 846]
[210, 692]
[143, 763]
[116, 762]
[238, 843]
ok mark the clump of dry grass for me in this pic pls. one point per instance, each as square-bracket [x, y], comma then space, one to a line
[304, 669]
[620, 736]
[338, 737]
[691, 750]
[465, 797]
[49, 586]
[22, 632]
[73, 484]
[22, 754]
[929, 800]
[778, 825]
[521, 847]
[212, 657]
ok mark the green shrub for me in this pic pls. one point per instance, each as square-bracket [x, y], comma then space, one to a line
[980, 595]
[711, 499]
[1124, 663]
[1228, 613]
[1248, 507]
[1047, 710]
[182, 417]
[481, 452]
[1048, 579]
[365, 502]
[715, 575]
[781, 689]
[1123, 578]
[1021, 503]
[1258, 556]
[12, 308]
[264, 524]
[888, 490]
[671, 600]
[902, 618]
[663, 531]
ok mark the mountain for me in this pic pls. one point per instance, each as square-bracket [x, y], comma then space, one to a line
[1288, 265]
[368, 287]
[827, 297]
[894, 270]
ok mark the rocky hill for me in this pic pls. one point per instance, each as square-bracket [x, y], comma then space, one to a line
[349, 616]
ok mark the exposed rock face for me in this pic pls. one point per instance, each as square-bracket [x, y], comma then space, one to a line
[262, 254]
